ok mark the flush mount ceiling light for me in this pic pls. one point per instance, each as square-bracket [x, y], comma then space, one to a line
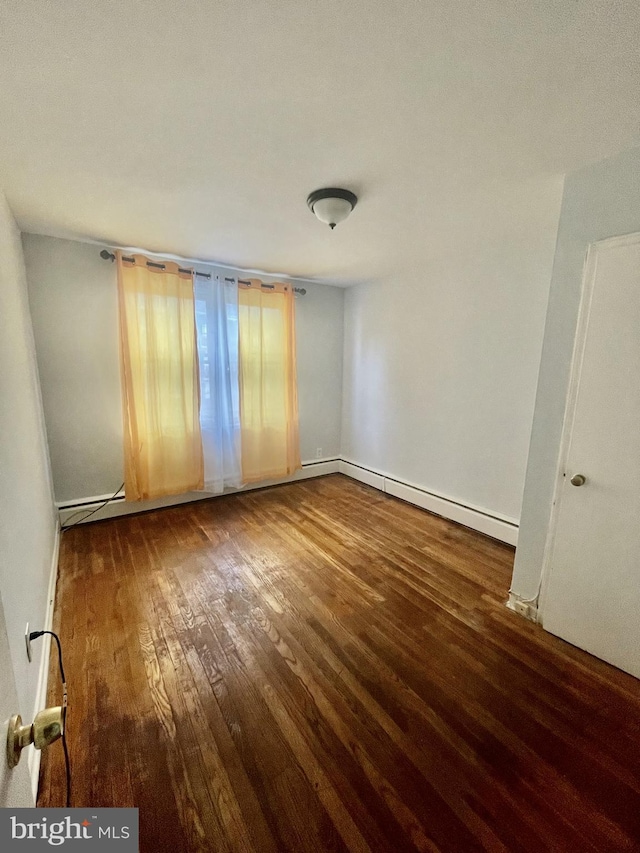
[331, 205]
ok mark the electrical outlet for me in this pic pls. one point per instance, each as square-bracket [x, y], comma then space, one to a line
[522, 608]
[28, 642]
[318, 453]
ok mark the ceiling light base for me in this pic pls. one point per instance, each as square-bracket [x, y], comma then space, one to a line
[331, 205]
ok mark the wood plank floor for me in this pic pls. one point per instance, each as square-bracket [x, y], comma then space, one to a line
[320, 667]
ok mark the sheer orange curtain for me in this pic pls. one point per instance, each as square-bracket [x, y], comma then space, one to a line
[268, 385]
[160, 384]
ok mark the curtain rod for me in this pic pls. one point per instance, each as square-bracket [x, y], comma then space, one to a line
[109, 256]
[300, 290]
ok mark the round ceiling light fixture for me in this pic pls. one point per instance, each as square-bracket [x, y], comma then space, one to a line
[331, 205]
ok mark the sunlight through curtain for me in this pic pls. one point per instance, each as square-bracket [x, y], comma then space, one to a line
[217, 325]
[268, 386]
[160, 382]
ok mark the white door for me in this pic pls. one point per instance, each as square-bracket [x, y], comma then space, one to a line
[15, 785]
[592, 593]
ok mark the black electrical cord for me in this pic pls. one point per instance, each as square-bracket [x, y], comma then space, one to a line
[34, 636]
[91, 512]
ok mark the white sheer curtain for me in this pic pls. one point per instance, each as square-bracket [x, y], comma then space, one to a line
[217, 327]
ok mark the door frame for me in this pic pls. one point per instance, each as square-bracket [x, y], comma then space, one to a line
[590, 269]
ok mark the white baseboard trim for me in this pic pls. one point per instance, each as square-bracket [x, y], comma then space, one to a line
[492, 524]
[89, 500]
[35, 755]
[364, 475]
[119, 507]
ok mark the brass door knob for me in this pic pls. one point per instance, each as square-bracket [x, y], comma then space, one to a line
[578, 480]
[46, 728]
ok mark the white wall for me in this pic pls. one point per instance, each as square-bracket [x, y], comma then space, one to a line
[73, 299]
[27, 525]
[75, 321]
[602, 200]
[319, 333]
[441, 359]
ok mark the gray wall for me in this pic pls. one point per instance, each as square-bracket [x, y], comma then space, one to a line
[599, 201]
[27, 519]
[73, 299]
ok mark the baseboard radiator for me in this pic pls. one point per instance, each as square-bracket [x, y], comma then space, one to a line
[497, 526]
[72, 511]
[492, 524]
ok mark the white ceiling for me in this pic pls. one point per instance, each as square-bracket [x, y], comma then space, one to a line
[198, 128]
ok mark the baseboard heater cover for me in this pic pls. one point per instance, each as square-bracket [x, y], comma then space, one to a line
[502, 528]
[118, 506]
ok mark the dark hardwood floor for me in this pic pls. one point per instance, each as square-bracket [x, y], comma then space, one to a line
[322, 667]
